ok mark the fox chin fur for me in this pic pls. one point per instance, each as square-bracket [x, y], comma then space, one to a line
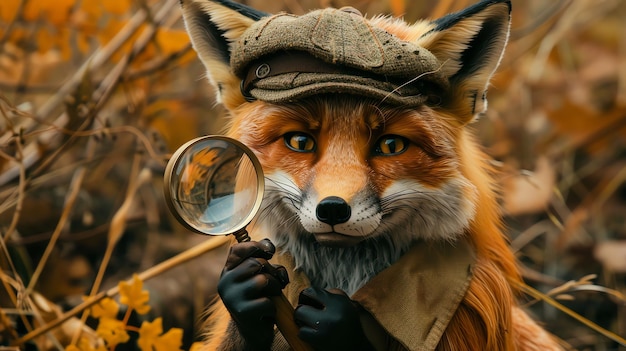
[441, 191]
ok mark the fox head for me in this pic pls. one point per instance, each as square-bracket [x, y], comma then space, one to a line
[360, 124]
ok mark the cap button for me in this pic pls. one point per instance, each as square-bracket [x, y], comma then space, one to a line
[262, 71]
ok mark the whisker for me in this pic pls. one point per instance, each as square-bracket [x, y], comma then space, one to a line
[413, 80]
[284, 185]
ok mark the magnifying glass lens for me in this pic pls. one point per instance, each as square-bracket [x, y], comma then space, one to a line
[214, 185]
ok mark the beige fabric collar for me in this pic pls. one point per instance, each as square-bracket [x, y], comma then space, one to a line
[414, 299]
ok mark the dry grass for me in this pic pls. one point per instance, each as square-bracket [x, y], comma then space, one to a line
[85, 130]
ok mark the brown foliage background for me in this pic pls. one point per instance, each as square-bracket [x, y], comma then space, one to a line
[96, 94]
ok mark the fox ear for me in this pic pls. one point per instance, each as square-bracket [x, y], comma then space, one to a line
[213, 25]
[469, 44]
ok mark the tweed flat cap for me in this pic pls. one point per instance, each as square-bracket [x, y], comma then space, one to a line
[285, 57]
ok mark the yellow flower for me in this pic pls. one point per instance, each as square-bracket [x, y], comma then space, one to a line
[112, 331]
[133, 296]
[85, 345]
[150, 338]
[107, 307]
[149, 333]
[172, 340]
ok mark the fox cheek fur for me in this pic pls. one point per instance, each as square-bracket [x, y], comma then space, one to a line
[404, 210]
[341, 186]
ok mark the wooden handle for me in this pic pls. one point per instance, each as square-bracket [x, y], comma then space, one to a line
[286, 324]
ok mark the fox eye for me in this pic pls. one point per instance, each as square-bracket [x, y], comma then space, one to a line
[300, 142]
[389, 145]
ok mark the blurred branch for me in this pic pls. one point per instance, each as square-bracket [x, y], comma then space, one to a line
[116, 230]
[541, 296]
[621, 79]
[545, 18]
[157, 65]
[150, 273]
[607, 131]
[68, 207]
[9, 28]
[101, 96]
[580, 12]
[96, 61]
[21, 189]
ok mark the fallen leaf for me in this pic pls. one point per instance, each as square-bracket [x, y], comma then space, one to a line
[612, 255]
[530, 192]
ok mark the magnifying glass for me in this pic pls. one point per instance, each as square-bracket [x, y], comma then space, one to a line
[214, 185]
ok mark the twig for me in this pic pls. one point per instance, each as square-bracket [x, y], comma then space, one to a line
[9, 28]
[530, 234]
[102, 94]
[621, 77]
[571, 19]
[610, 129]
[21, 189]
[10, 284]
[75, 186]
[541, 296]
[546, 16]
[150, 273]
[98, 59]
[29, 88]
[158, 65]
[116, 230]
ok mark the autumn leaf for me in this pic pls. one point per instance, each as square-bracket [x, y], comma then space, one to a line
[149, 333]
[45, 40]
[150, 337]
[86, 18]
[8, 10]
[85, 345]
[133, 296]
[171, 41]
[116, 7]
[112, 331]
[55, 12]
[170, 341]
[106, 308]
[398, 7]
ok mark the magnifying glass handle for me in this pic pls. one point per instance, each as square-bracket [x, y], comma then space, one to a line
[286, 324]
[242, 235]
[284, 311]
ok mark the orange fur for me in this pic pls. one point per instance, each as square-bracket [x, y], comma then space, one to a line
[443, 151]
[489, 308]
[486, 311]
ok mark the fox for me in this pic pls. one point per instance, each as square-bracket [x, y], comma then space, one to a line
[380, 220]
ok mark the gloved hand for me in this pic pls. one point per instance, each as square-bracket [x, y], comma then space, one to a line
[329, 320]
[246, 283]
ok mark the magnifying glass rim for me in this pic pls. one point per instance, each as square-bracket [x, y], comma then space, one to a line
[175, 160]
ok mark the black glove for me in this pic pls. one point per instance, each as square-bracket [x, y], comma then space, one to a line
[329, 320]
[246, 283]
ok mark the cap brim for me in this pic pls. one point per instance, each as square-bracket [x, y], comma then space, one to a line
[295, 86]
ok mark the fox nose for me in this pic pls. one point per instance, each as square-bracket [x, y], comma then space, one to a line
[333, 210]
